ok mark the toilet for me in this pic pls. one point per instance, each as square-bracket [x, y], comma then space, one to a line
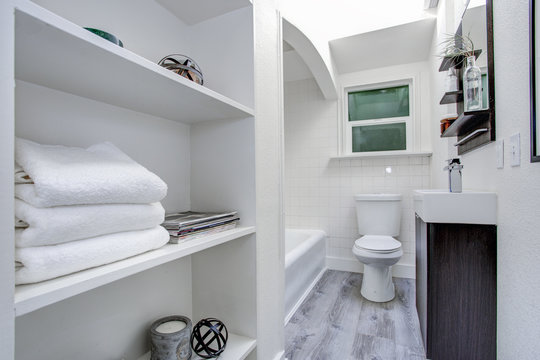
[379, 217]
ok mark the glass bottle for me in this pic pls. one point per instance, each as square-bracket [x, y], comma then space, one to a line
[451, 81]
[472, 86]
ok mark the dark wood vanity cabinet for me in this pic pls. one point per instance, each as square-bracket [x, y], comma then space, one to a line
[456, 282]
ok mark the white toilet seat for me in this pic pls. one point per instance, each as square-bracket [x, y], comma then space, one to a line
[378, 244]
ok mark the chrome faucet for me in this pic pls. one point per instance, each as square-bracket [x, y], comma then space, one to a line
[454, 174]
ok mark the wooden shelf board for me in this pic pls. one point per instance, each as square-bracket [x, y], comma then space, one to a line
[53, 52]
[35, 296]
[452, 97]
[455, 62]
[465, 121]
[238, 348]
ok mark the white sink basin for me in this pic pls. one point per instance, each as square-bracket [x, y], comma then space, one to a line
[468, 207]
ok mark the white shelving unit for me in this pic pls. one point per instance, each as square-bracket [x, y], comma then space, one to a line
[35, 296]
[52, 52]
[212, 276]
[238, 348]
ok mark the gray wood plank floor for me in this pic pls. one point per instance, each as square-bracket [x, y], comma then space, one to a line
[336, 322]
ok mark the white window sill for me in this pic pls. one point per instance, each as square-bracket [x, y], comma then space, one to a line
[383, 155]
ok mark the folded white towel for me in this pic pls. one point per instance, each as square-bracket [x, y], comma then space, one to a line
[21, 177]
[59, 224]
[41, 263]
[101, 174]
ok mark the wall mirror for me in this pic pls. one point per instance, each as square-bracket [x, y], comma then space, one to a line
[534, 62]
[474, 25]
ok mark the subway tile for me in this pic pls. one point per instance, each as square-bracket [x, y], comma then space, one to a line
[415, 160]
[367, 162]
[403, 161]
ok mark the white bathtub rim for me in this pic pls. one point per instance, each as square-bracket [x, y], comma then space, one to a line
[314, 237]
[304, 295]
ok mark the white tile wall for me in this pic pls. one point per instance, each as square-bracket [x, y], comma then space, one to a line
[319, 191]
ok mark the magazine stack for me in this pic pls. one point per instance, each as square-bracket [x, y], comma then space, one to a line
[191, 225]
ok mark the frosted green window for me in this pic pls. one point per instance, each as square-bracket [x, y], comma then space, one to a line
[379, 137]
[379, 103]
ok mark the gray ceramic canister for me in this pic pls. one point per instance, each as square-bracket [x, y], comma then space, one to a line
[170, 344]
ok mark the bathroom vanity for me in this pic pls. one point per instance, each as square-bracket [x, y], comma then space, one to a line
[456, 273]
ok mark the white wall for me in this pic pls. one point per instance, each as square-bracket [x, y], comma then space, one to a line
[268, 159]
[225, 56]
[442, 147]
[320, 191]
[518, 228]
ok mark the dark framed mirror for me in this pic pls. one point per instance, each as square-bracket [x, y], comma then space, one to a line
[534, 61]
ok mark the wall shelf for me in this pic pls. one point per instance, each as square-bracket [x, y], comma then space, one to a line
[53, 52]
[455, 62]
[463, 124]
[238, 348]
[35, 296]
[451, 97]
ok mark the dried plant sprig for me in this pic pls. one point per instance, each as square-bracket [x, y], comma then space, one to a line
[457, 47]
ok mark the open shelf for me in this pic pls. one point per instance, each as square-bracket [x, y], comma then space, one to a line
[451, 97]
[35, 296]
[465, 122]
[238, 348]
[53, 52]
[456, 62]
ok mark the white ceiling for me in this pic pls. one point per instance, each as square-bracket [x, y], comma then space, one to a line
[326, 20]
[194, 11]
[395, 45]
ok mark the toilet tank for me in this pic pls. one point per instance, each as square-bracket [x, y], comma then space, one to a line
[378, 214]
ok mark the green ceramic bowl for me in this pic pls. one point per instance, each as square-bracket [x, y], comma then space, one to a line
[106, 36]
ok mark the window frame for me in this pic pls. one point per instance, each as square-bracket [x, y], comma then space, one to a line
[347, 125]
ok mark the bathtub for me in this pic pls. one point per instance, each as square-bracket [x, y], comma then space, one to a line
[305, 262]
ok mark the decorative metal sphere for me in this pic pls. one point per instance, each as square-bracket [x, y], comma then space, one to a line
[209, 337]
[183, 66]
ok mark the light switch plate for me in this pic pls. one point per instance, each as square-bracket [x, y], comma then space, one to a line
[515, 153]
[500, 154]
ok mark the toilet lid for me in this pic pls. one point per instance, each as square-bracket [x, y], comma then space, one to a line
[378, 243]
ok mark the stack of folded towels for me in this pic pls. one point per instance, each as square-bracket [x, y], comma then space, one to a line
[80, 208]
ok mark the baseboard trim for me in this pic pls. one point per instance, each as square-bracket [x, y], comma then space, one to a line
[353, 265]
[304, 295]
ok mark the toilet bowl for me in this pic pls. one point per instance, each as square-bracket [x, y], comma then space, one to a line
[378, 253]
[378, 218]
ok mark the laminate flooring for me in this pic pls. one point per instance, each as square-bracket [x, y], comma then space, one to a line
[336, 323]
